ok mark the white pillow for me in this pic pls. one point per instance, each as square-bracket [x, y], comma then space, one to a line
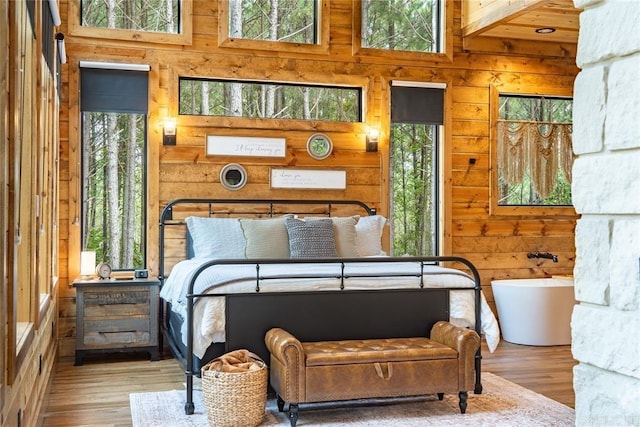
[266, 238]
[369, 235]
[216, 237]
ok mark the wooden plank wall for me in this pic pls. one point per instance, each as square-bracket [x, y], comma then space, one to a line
[497, 245]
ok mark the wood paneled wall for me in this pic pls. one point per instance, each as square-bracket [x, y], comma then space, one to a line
[497, 245]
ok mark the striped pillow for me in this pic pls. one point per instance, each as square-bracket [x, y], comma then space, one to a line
[311, 239]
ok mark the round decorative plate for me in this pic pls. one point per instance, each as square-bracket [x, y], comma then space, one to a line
[319, 146]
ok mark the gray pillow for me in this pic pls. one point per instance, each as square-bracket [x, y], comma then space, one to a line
[311, 239]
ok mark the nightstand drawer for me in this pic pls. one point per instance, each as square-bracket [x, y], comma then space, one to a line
[116, 339]
[119, 304]
[116, 325]
[117, 296]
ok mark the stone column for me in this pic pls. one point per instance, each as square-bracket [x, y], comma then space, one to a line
[606, 192]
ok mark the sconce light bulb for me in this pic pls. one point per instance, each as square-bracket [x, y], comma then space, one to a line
[170, 126]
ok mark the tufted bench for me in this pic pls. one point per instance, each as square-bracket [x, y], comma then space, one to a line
[304, 372]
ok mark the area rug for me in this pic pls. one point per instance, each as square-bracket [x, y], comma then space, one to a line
[502, 403]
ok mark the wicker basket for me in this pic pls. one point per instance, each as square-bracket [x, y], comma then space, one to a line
[235, 399]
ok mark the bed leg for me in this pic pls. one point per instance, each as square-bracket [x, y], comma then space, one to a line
[280, 403]
[189, 406]
[440, 396]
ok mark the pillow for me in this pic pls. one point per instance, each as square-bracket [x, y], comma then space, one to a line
[266, 238]
[369, 235]
[311, 239]
[216, 237]
[344, 230]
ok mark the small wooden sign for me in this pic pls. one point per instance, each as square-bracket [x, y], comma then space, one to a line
[309, 179]
[247, 146]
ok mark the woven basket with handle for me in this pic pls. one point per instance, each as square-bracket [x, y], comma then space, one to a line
[235, 389]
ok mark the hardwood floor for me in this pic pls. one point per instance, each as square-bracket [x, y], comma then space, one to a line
[97, 393]
[545, 370]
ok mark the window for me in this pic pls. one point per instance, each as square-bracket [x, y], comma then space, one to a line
[293, 21]
[142, 21]
[114, 121]
[401, 25]
[534, 152]
[416, 114]
[162, 16]
[269, 100]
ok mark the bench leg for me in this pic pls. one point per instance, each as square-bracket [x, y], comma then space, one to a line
[280, 403]
[293, 414]
[463, 401]
[440, 396]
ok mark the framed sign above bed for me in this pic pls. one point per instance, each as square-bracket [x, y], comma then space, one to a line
[311, 179]
[225, 145]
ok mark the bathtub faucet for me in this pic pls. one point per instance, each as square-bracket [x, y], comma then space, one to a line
[545, 255]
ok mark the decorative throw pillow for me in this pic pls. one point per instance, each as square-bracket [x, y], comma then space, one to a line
[311, 239]
[369, 235]
[344, 230]
[216, 237]
[266, 238]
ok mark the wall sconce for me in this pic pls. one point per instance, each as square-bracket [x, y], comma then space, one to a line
[87, 263]
[372, 140]
[62, 51]
[169, 132]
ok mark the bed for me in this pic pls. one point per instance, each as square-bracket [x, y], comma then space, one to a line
[231, 269]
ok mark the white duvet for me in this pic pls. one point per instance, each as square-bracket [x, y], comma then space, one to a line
[209, 324]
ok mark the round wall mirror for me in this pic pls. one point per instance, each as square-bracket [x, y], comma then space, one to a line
[233, 176]
[319, 146]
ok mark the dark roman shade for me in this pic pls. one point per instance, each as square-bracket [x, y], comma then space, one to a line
[423, 105]
[114, 90]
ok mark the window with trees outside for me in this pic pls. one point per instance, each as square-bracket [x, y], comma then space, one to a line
[162, 16]
[293, 21]
[534, 151]
[269, 100]
[114, 106]
[414, 182]
[113, 164]
[402, 25]
[417, 114]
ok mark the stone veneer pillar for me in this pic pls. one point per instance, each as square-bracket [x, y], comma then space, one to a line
[606, 192]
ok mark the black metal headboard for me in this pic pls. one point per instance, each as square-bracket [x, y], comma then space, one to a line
[247, 207]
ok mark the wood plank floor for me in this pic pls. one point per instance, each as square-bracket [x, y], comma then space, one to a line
[97, 393]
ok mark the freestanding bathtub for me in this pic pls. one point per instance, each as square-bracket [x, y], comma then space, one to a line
[535, 311]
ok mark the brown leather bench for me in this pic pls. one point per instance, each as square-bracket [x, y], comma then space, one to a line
[305, 372]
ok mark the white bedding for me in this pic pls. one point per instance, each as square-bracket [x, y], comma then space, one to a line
[209, 312]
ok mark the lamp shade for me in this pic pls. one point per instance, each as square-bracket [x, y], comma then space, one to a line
[87, 263]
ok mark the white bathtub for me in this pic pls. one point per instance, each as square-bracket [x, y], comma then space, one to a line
[535, 311]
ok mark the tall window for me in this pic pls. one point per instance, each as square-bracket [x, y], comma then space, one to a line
[160, 16]
[416, 114]
[268, 100]
[402, 25]
[534, 151]
[114, 117]
[294, 21]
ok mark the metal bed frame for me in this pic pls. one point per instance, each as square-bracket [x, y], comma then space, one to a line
[354, 314]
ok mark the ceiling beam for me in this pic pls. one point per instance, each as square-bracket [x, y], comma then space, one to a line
[479, 16]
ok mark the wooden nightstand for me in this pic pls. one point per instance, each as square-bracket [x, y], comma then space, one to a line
[116, 315]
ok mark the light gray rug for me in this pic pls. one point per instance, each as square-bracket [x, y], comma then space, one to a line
[502, 403]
